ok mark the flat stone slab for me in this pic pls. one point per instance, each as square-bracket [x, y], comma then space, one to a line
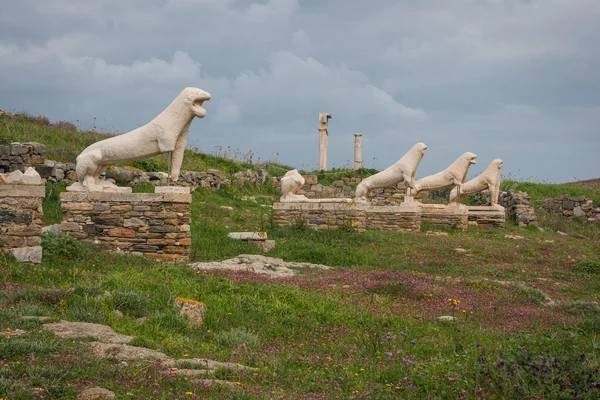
[31, 254]
[271, 266]
[68, 330]
[207, 366]
[248, 235]
[125, 352]
[172, 189]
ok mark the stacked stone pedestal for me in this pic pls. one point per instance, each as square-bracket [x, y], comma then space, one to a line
[334, 214]
[441, 215]
[155, 225]
[487, 215]
[21, 221]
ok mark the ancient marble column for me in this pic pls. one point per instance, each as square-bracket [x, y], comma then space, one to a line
[323, 133]
[357, 151]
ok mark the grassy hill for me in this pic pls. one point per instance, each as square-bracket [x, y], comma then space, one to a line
[64, 142]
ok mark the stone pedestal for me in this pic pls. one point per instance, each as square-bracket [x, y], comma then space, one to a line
[21, 221]
[452, 216]
[155, 225]
[335, 213]
[487, 215]
[320, 214]
[402, 218]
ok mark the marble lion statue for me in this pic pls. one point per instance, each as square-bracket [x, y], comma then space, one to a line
[165, 133]
[454, 175]
[404, 170]
[488, 180]
[291, 182]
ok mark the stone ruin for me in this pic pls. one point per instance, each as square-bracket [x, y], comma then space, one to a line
[21, 196]
[400, 211]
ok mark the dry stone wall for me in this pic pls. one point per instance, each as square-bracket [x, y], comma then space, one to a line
[571, 206]
[518, 206]
[21, 221]
[20, 156]
[155, 225]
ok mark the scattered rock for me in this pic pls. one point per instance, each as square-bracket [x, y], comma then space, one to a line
[266, 245]
[513, 237]
[54, 229]
[434, 233]
[446, 318]
[210, 382]
[561, 233]
[8, 333]
[205, 364]
[228, 208]
[117, 314]
[193, 310]
[125, 352]
[70, 330]
[96, 393]
[460, 250]
[274, 267]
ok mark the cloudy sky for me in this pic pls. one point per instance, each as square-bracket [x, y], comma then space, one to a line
[511, 79]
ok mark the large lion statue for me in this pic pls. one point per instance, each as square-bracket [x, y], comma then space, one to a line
[454, 175]
[488, 180]
[404, 170]
[165, 133]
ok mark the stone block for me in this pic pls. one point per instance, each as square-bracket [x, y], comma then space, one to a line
[161, 242]
[185, 242]
[109, 219]
[121, 232]
[15, 217]
[12, 241]
[133, 222]
[120, 207]
[248, 235]
[172, 189]
[174, 249]
[76, 206]
[17, 149]
[177, 198]
[310, 179]
[166, 257]
[31, 254]
[568, 205]
[69, 226]
[22, 191]
[44, 170]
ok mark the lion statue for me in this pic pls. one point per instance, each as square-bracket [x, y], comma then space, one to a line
[165, 133]
[404, 170]
[488, 180]
[454, 175]
[291, 182]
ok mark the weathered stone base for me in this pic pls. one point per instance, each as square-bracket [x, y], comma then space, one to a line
[487, 215]
[21, 221]
[402, 218]
[336, 213]
[452, 216]
[156, 225]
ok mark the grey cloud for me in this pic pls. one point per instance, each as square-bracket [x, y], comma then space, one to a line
[518, 80]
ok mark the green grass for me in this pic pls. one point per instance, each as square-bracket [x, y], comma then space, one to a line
[540, 191]
[367, 328]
